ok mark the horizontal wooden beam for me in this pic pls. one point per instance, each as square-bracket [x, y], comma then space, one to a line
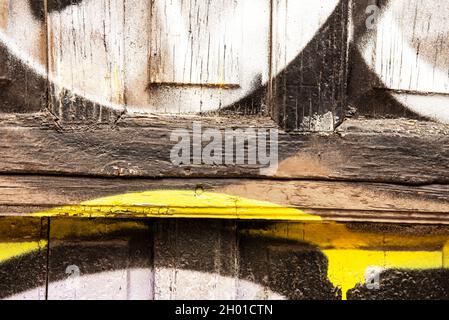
[223, 198]
[391, 151]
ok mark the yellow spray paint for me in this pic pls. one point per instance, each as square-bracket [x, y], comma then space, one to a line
[9, 250]
[180, 204]
[78, 229]
[349, 252]
[347, 267]
[446, 255]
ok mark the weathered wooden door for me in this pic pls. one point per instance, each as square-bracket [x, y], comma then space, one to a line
[91, 92]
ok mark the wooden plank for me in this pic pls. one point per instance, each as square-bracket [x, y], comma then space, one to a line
[98, 260]
[23, 258]
[195, 260]
[410, 251]
[309, 63]
[212, 260]
[221, 65]
[86, 60]
[284, 269]
[23, 59]
[137, 53]
[412, 46]
[395, 151]
[195, 43]
[364, 99]
[399, 60]
[335, 201]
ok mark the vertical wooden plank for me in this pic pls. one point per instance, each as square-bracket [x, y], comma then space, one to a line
[413, 46]
[86, 59]
[23, 258]
[100, 259]
[137, 52]
[195, 42]
[309, 41]
[195, 259]
[23, 58]
[214, 58]
[363, 82]
[399, 60]
[284, 269]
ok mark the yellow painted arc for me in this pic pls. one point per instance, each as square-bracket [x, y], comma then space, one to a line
[349, 252]
[181, 204]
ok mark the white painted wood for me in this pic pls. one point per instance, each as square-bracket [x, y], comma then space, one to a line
[137, 52]
[118, 53]
[195, 42]
[204, 81]
[16, 21]
[295, 23]
[412, 46]
[86, 50]
[108, 285]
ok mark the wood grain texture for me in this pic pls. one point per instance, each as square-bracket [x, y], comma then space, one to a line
[22, 89]
[217, 262]
[193, 262]
[286, 265]
[211, 59]
[412, 46]
[75, 50]
[335, 201]
[309, 86]
[78, 46]
[195, 42]
[203, 259]
[100, 260]
[156, 56]
[395, 151]
[362, 96]
[398, 59]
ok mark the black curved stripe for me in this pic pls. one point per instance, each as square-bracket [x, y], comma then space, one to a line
[37, 6]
